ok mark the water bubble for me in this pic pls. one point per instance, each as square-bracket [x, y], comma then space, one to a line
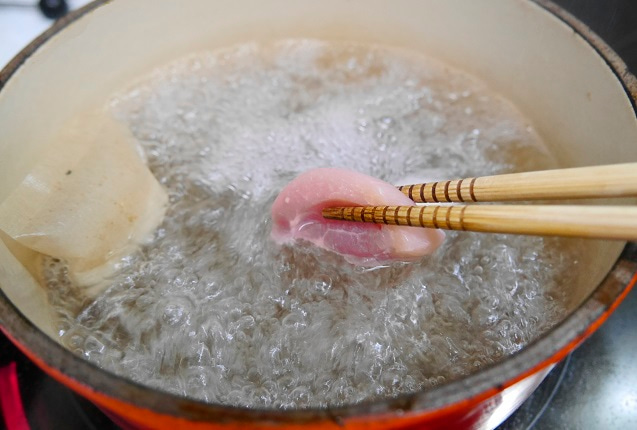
[175, 311]
[93, 346]
[323, 284]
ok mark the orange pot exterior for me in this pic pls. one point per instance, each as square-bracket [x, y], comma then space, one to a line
[469, 414]
[464, 415]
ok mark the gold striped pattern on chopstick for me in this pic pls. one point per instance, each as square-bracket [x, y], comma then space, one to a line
[618, 180]
[600, 222]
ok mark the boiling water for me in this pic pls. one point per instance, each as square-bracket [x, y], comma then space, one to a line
[213, 309]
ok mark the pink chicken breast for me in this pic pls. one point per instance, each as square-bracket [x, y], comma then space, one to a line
[296, 214]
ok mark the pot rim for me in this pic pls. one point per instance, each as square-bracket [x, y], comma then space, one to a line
[550, 348]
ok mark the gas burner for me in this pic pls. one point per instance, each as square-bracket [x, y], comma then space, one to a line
[52, 9]
[532, 410]
[45, 404]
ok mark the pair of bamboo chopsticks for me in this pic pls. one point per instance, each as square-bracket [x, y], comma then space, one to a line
[600, 222]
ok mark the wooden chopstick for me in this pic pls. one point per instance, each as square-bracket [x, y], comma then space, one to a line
[599, 222]
[618, 180]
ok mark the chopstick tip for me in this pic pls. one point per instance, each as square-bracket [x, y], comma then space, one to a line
[333, 213]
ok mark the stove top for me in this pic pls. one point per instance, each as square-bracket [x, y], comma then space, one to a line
[594, 388]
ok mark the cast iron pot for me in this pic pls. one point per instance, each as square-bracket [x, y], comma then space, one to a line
[573, 88]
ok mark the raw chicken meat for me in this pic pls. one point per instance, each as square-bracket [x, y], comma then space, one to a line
[296, 214]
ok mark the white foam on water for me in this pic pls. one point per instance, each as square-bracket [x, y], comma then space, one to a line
[214, 310]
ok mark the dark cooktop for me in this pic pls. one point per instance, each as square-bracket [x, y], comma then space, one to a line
[594, 388]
